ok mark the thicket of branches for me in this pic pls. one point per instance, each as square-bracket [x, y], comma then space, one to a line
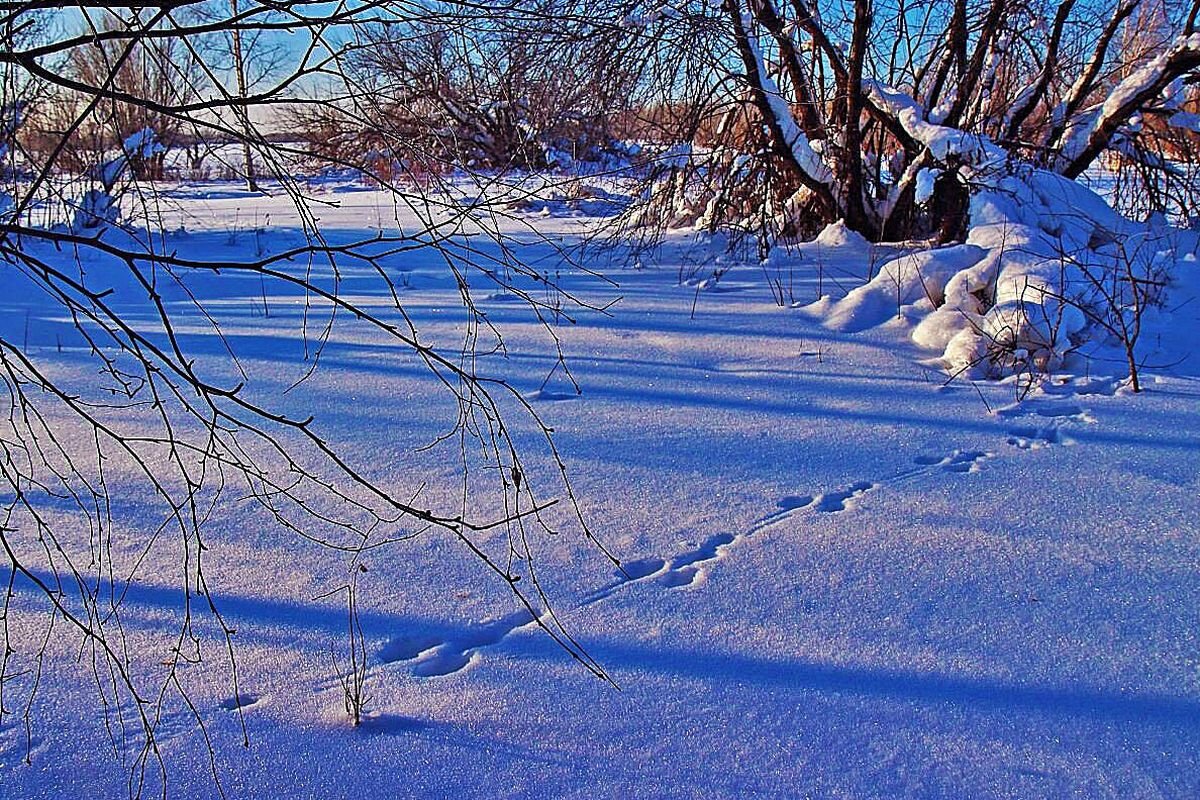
[786, 115]
[521, 88]
[885, 114]
[92, 98]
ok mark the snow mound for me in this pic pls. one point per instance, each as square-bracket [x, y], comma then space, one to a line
[840, 236]
[1023, 289]
[914, 278]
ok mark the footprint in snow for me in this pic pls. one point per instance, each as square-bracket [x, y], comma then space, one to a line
[241, 701]
[681, 570]
[786, 507]
[434, 657]
[685, 569]
[795, 502]
[958, 461]
[1059, 411]
[709, 550]
[444, 660]
[678, 578]
[825, 503]
[629, 572]
[406, 648]
[1033, 435]
[835, 502]
[641, 568]
[1107, 387]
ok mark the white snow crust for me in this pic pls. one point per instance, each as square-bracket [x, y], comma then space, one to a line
[844, 577]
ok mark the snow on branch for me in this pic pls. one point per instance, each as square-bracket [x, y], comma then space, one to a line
[943, 142]
[1091, 131]
[807, 159]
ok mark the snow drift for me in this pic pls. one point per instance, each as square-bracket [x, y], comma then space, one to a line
[1041, 272]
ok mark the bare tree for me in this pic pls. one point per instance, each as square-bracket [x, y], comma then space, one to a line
[160, 70]
[239, 71]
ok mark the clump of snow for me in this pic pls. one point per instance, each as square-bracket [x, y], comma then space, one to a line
[96, 210]
[142, 144]
[109, 172]
[838, 235]
[99, 208]
[648, 18]
[926, 180]
[1020, 290]
[913, 278]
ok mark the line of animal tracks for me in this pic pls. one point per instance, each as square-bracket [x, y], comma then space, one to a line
[1030, 425]
[1044, 421]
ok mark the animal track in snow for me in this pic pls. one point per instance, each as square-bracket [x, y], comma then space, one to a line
[642, 568]
[709, 550]
[826, 503]
[833, 502]
[243, 701]
[1069, 387]
[687, 568]
[795, 502]
[684, 569]
[676, 578]
[957, 461]
[446, 659]
[1034, 435]
[406, 648]
[433, 657]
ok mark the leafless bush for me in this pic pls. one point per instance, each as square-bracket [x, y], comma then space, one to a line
[1107, 288]
[352, 670]
[528, 85]
[1117, 296]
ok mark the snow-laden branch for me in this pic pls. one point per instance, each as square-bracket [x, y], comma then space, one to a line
[807, 159]
[943, 142]
[1090, 132]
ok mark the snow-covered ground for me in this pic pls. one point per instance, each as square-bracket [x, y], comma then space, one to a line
[845, 577]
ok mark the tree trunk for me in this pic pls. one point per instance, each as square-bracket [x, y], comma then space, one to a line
[239, 68]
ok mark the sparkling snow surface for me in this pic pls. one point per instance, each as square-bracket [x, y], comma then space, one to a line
[844, 577]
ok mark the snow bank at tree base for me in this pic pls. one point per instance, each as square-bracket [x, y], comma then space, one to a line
[1028, 285]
